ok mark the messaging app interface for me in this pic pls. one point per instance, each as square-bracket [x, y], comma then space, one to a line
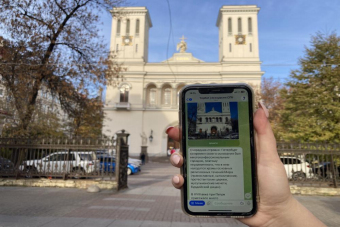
[218, 152]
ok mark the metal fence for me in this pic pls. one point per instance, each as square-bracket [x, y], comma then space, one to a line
[57, 157]
[311, 162]
[95, 158]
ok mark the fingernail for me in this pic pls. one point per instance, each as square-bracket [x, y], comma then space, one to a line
[264, 109]
[176, 159]
[175, 179]
[168, 129]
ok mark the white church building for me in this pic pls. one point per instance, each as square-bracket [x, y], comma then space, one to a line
[213, 121]
[145, 103]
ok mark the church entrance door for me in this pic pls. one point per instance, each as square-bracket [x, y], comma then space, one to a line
[213, 130]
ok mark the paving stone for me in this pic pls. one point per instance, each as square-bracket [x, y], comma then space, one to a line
[156, 224]
[95, 222]
[187, 224]
[38, 221]
[231, 223]
[18, 221]
[64, 222]
[125, 223]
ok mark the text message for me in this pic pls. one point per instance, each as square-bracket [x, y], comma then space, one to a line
[216, 173]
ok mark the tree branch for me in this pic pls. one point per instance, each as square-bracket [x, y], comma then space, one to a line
[59, 6]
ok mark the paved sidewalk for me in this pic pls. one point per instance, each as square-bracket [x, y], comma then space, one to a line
[150, 201]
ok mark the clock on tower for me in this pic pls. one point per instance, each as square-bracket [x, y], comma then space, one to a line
[240, 39]
[127, 40]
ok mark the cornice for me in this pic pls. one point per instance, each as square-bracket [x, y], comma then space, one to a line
[124, 11]
[179, 74]
[151, 64]
[243, 74]
[236, 9]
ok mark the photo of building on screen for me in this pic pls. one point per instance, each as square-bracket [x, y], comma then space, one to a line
[213, 120]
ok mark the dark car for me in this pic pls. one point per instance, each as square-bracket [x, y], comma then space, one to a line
[108, 164]
[6, 166]
[324, 170]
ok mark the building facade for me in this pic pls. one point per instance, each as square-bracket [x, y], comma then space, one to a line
[211, 121]
[145, 103]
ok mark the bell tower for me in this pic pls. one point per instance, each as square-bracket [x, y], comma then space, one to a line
[130, 34]
[238, 33]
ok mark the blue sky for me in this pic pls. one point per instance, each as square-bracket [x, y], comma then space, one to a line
[285, 27]
[216, 105]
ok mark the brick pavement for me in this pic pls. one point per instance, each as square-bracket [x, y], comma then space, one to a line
[150, 201]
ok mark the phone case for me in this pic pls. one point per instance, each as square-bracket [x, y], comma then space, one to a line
[181, 148]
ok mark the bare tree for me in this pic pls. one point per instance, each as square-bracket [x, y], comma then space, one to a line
[53, 43]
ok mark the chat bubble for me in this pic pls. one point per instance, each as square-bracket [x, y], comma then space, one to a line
[216, 173]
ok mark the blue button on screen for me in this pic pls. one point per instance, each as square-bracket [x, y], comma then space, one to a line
[196, 203]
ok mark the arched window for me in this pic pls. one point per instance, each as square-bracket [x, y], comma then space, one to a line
[250, 47]
[127, 27]
[209, 119]
[137, 27]
[229, 47]
[152, 99]
[230, 27]
[117, 47]
[124, 93]
[166, 95]
[250, 26]
[220, 119]
[118, 27]
[239, 25]
[206, 119]
[226, 120]
[151, 95]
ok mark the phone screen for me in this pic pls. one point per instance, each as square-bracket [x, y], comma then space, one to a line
[219, 152]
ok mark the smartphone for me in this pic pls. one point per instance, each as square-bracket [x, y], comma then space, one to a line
[218, 147]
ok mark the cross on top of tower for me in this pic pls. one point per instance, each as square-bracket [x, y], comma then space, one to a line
[183, 38]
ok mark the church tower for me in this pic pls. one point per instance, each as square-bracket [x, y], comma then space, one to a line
[200, 108]
[225, 107]
[130, 34]
[238, 33]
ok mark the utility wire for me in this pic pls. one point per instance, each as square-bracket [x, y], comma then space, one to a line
[170, 32]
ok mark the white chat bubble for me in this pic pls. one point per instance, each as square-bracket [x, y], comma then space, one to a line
[216, 172]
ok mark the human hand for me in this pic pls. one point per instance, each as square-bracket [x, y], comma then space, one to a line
[277, 206]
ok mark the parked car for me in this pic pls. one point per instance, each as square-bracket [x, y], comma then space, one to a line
[77, 162]
[323, 170]
[108, 164]
[226, 137]
[234, 136]
[296, 168]
[135, 161]
[6, 166]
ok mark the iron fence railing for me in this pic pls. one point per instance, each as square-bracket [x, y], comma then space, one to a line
[57, 157]
[95, 158]
[311, 162]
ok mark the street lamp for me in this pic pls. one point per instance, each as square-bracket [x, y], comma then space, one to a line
[151, 137]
